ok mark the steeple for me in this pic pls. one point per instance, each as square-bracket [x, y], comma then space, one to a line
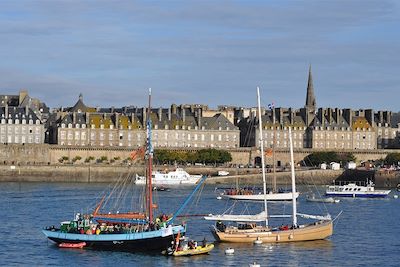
[310, 98]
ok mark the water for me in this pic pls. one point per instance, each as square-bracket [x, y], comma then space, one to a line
[366, 234]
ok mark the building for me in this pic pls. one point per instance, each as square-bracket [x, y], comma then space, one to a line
[181, 126]
[319, 128]
[21, 119]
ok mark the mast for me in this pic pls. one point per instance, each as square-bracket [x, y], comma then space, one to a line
[293, 179]
[149, 148]
[262, 156]
[273, 152]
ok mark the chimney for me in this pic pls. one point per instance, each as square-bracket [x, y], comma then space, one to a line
[26, 110]
[112, 109]
[169, 113]
[280, 115]
[337, 114]
[291, 116]
[369, 116]
[6, 108]
[159, 114]
[273, 115]
[380, 114]
[87, 118]
[183, 114]
[347, 114]
[329, 115]
[74, 117]
[144, 116]
[199, 115]
[116, 120]
[386, 117]
[173, 107]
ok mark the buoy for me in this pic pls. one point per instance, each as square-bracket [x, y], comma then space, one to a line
[254, 264]
[258, 241]
[396, 196]
[229, 251]
[219, 197]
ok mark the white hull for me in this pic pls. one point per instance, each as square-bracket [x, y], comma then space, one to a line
[168, 181]
[353, 190]
[177, 177]
[268, 197]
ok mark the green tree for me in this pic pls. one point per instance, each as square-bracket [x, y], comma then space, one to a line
[392, 159]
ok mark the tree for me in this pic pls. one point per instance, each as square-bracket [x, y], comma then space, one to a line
[392, 159]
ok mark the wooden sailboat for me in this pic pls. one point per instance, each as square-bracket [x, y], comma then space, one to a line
[132, 231]
[248, 230]
[271, 195]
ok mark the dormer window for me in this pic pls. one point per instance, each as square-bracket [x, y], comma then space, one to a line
[62, 125]
[69, 125]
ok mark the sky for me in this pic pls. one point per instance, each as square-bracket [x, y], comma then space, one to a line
[202, 52]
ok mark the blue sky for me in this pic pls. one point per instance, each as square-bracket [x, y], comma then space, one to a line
[207, 52]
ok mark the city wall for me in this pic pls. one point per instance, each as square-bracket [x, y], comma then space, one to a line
[50, 154]
[41, 163]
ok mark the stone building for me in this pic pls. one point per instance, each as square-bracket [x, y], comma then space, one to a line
[320, 128]
[177, 126]
[21, 119]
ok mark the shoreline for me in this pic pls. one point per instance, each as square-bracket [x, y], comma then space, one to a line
[108, 173]
[111, 173]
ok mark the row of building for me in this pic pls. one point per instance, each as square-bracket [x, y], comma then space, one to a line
[26, 120]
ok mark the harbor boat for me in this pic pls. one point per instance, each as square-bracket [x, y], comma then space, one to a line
[176, 177]
[130, 231]
[354, 190]
[185, 247]
[198, 250]
[250, 228]
[270, 196]
[312, 198]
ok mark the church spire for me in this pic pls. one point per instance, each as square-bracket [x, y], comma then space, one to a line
[310, 98]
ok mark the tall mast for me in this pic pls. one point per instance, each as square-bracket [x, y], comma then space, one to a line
[149, 195]
[293, 179]
[262, 156]
[273, 152]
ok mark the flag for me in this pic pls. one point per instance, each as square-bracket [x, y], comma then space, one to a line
[139, 153]
[271, 106]
[268, 153]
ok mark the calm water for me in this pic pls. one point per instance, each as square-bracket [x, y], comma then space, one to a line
[366, 234]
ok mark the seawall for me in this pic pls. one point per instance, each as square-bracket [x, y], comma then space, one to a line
[111, 173]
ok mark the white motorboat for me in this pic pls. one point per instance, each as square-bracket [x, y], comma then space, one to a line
[354, 190]
[176, 177]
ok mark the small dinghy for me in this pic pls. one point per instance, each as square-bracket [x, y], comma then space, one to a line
[72, 245]
[324, 200]
[198, 250]
[182, 246]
